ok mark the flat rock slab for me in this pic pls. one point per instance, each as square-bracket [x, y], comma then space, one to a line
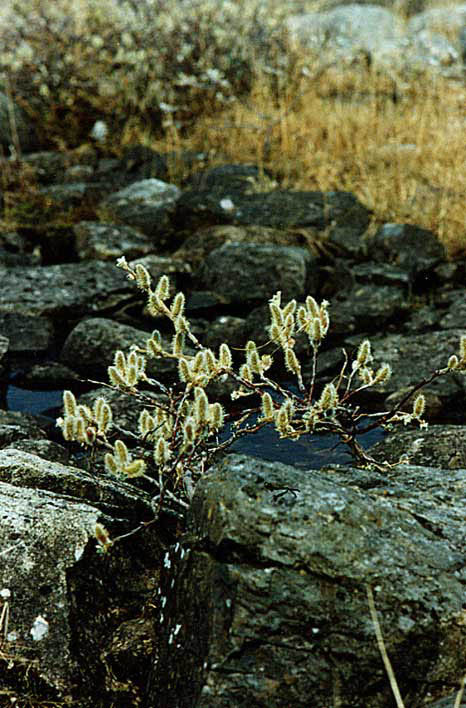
[274, 577]
[68, 290]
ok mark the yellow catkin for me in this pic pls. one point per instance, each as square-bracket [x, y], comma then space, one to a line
[69, 403]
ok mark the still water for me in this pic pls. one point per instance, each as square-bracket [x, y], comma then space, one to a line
[309, 452]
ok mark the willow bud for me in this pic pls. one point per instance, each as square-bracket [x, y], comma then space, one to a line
[69, 403]
[143, 278]
[224, 355]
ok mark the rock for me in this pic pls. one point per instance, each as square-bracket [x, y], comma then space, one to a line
[63, 291]
[15, 426]
[50, 558]
[16, 251]
[91, 345]
[43, 448]
[349, 29]
[48, 166]
[49, 375]
[442, 446]
[196, 248]
[177, 269]
[4, 346]
[146, 205]
[415, 357]
[27, 334]
[409, 248]
[274, 575]
[366, 309]
[107, 242]
[242, 272]
[443, 20]
[353, 26]
[455, 316]
[278, 209]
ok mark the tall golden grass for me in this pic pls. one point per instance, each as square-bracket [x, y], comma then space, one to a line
[397, 143]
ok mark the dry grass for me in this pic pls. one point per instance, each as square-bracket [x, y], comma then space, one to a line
[398, 145]
[395, 141]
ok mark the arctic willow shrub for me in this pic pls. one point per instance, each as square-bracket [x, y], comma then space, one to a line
[177, 434]
[153, 61]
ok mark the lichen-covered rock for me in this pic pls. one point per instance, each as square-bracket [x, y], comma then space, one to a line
[442, 446]
[18, 426]
[90, 348]
[107, 242]
[245, 272]
[415, 250]
[146, 205]
[68, 604]
[347, 27]
[63, 291]
[27, 334]
[273, 576]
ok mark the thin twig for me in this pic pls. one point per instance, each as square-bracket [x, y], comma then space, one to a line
[459, 695]
[383, 651]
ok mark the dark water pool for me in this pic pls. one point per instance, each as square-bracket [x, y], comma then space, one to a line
[310, 452]
[42, 403]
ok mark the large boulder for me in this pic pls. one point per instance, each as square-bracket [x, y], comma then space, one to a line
[266, 601]
[69, 605]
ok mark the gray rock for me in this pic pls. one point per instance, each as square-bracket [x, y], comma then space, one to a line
[273, 575]
[442, 446]
[277, 209]
[27, 334]
[346, 28]
[242, 272]
[428, 49]
[49, 375]
[366, 308]
[444, 20]
[64, 196]
[196, 247]
[58, 582]
[175, 268]
[107, 242]
[4, 346]
[26, 470]
[16, 251]
[15, 426]
[146, 205]
[408, 247]
[415, 357]
[43, 448]
[63, 291]
[49, 166]
[462, 43]
[456, 313]
[380, 274]
[90, 348]
[422, 43]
